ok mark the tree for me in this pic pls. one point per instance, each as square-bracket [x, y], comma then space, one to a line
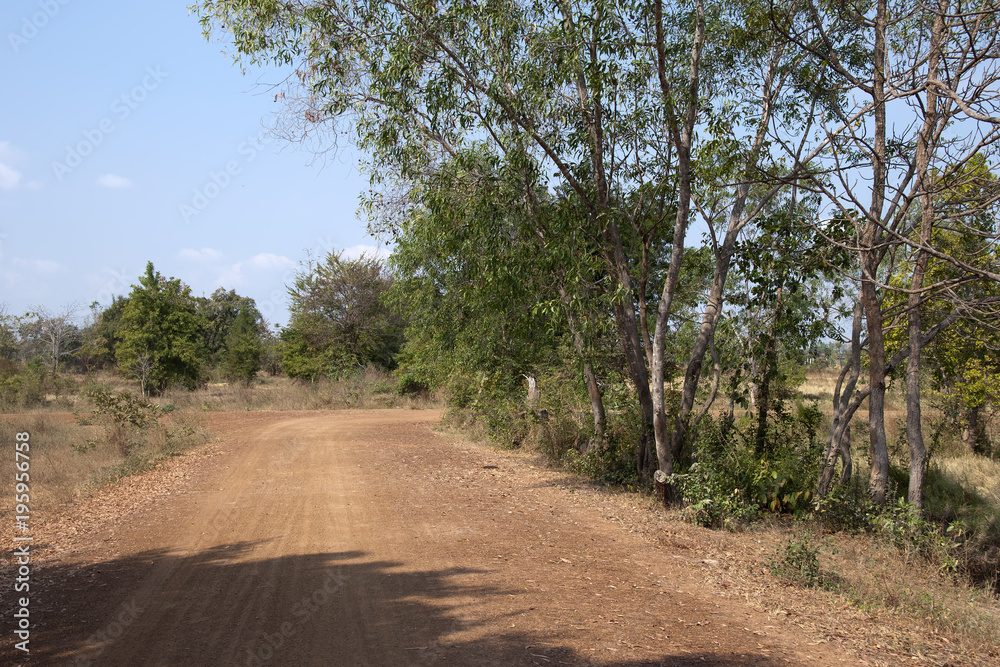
[338, 318]
[8, 334]
[492, 280]
[101, 334]
[56, 332]
[161, 334]
[244, 349]
[596, 102]
[935, 65]
[220, 312]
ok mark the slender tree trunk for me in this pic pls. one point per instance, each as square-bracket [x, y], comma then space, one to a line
[764, 395]
[970, 429]
[589, 376]
[723, 261]
[870, 256]
[683, 138]
[878, 450]
[838, 442]
[592, 114]
[914, 432]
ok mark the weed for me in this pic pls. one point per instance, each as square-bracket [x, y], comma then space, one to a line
[798, 562]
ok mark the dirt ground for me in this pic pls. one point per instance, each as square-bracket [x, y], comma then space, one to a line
[367, 538]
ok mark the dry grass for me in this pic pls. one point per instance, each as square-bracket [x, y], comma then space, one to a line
[68, 459]
[369, 389]
[978, 473]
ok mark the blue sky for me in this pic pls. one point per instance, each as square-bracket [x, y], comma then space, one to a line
[126, 137]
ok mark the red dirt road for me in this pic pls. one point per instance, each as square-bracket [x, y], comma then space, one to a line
[366, 538]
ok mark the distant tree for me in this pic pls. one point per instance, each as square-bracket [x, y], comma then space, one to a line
[338, 318]
[52, 333]
[220, 312]
[161, 334]
[101, 334]
[244, 347]
[8, 334]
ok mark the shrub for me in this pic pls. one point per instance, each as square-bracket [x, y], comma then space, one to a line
[410, 385]
[798, 562]
[728, 484]
[125, 416]
[612, 461]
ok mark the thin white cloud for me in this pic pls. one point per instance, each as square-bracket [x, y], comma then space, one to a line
[10, 178]
[8, 153]
[203, 255]
[114, 181]
[382, 252]
[268, 260]
[231, 276]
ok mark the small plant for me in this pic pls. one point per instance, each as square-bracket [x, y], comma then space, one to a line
[125, 416]
[798, 562]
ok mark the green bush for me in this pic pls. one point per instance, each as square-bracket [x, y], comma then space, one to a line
[410, 385]
[728, 484]
[798, 563]
[124, 416]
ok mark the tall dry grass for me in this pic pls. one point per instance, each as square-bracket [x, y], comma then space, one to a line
[69, 459]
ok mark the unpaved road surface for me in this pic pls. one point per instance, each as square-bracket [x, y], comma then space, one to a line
[367, 538]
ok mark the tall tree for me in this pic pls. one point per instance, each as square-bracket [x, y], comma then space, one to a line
[597, 102]
[244, 349]
[55, 331]
[339, 320]
[161, 334]
[935, 65]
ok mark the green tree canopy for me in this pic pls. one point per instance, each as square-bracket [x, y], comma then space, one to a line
[338, 318]
[161, 334]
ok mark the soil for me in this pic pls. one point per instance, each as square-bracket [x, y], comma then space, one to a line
[369, 538]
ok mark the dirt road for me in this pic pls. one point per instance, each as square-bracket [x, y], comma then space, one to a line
[366, 538]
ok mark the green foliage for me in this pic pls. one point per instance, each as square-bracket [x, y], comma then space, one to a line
[220, 313]
[729, 484]
[798, 562]
[410, 385]
[161, 334]
[125, 416]
[27, 385]
[102, 335]
[21, 386]
[243, 348]
[339, 320]
[612, 462]
[903, 525]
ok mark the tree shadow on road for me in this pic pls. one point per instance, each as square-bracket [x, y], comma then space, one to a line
[226, 606]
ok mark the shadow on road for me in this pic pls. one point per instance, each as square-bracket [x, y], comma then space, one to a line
[224, 606]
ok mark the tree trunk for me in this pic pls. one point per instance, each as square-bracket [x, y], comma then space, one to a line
[871, 256]
[683, 138]
[842, 397]
[764, 391]
[877, 448]
[970, 429]
[589, 376]
[914, 432]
